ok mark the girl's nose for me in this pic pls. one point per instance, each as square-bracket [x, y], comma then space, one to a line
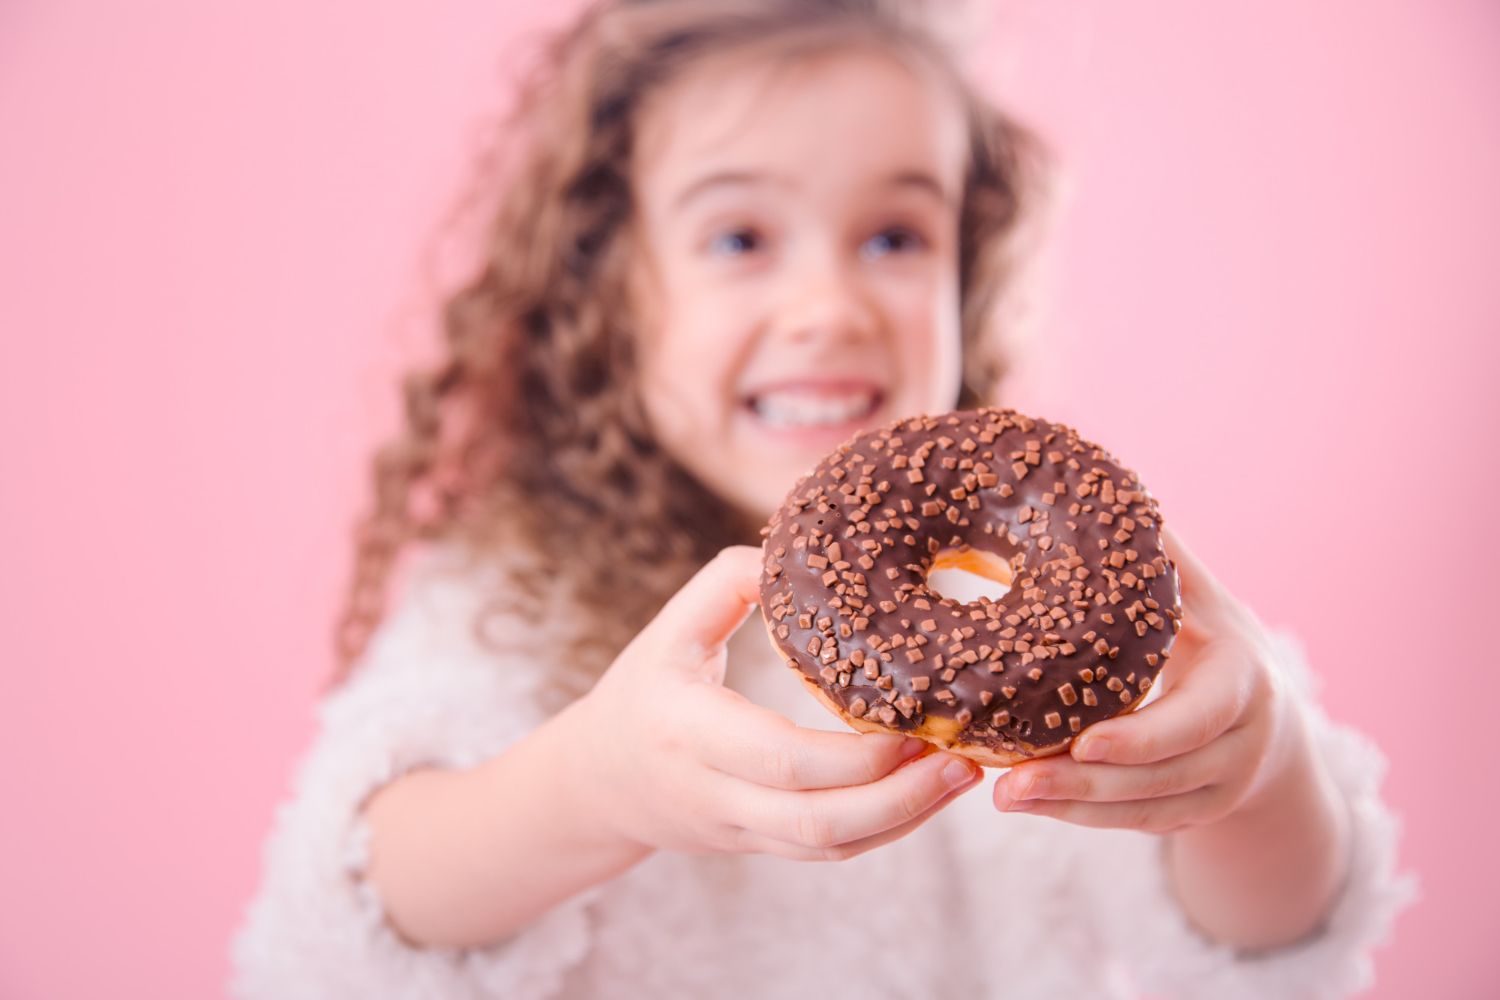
[826, 300]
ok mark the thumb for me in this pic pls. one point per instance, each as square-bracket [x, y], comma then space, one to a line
[694, 624]
[1199, 586]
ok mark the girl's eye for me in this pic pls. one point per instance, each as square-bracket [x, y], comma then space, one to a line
[735, 242]
[897, 239]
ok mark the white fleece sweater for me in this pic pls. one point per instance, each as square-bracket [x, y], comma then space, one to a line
[974, 904]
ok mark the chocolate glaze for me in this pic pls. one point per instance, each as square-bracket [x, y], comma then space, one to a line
[843, 586]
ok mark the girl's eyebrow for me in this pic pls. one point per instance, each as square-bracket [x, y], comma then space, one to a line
[921, 180]
[916, 180]
[723, 178]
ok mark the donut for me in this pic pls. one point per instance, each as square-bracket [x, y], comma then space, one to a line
[1080, 636]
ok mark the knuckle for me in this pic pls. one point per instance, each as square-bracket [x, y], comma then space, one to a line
[784, 767]
[913, 801]
[1227, 716]
[875, 762]
[1032, 783]
[1143, 816]
[815, 829]
[1158, 782]
[1205, 727]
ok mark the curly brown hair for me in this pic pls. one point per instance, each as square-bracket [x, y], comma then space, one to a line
[528, 443]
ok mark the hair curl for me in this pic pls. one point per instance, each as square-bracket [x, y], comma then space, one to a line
[528, 442]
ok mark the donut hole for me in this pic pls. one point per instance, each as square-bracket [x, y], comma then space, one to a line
[967, 574]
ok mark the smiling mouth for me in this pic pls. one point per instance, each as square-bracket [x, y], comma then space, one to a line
[797, 407]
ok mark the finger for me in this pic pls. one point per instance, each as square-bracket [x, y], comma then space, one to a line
[752, 841]
[1061, 777]
[1163, 815]
[832, 816]
[1206, 699]
[697, 619]
[1199, 586]
[740, 738]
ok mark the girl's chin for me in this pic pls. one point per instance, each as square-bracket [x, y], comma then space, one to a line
[773, 462]
[768, 459]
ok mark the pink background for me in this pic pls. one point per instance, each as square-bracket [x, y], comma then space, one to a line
[1273, 293]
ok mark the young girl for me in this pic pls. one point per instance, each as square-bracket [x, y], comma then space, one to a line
[569, 764]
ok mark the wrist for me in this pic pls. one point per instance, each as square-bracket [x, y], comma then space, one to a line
[576, 776]
[1290, 771]
[1267, 874]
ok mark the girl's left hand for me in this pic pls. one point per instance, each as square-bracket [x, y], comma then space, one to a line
[1222, 729]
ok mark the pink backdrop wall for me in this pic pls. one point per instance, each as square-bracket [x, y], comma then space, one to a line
[1282, 225]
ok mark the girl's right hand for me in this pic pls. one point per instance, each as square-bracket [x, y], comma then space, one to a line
[668, 757]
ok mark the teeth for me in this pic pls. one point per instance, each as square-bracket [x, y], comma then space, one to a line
[798, 408]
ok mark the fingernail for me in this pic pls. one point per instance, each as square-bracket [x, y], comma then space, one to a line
[911, 747]
[1093, 748]
[958, 772]
[1020, 805]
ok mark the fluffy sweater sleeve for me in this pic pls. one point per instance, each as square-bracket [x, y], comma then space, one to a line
[426, 693]
[1145, 930]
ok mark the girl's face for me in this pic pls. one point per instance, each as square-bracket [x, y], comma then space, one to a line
[799, 279]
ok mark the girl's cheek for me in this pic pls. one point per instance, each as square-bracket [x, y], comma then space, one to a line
[694, 357]
[917, 309]
[929, 343]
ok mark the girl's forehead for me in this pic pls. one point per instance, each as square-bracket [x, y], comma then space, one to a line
[839, 112]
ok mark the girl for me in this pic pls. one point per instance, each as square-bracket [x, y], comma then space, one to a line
[742, 230]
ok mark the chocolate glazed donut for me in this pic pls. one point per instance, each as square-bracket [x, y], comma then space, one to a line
[1080, 636]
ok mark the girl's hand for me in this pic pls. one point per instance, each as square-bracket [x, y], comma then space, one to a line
[1222, 728]
[670, 758]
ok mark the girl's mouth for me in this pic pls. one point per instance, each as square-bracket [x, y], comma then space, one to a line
[794, 406]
